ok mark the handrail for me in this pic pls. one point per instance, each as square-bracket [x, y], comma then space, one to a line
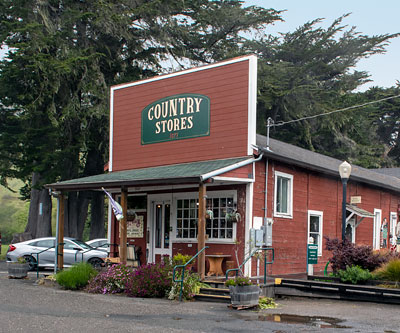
[94, 248]
[251, 254]
[326, 268]
[37, 258]
[183, 270]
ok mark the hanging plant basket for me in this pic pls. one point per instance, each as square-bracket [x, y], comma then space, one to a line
[233, 217]
[209, 214]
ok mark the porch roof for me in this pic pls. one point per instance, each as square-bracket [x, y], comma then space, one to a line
[168, 174]
[358, 211]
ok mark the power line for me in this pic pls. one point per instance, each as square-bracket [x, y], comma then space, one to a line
[281, 123]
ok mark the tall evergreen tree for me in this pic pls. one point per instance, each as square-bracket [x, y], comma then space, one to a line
[311, 71]
[63, 57]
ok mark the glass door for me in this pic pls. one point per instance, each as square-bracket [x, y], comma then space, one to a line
[161, 230]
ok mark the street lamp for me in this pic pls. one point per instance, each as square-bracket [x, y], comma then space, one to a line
[344, 171]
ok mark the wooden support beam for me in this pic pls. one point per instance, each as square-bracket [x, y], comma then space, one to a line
[123, 226]
[60, 239]
[201, 232]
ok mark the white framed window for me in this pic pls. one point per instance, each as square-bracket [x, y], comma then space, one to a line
[283, 203]
[217, 228]
[315, 224]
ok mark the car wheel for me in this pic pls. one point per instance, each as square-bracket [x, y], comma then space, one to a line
[31, 261]
[96, 262]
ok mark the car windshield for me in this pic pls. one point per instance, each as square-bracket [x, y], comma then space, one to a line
[83, 245]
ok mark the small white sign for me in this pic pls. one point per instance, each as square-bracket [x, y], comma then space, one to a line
[355, 200]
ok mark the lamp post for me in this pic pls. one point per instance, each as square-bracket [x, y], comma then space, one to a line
[344, 171]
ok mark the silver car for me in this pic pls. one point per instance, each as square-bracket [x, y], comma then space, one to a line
[42, 251]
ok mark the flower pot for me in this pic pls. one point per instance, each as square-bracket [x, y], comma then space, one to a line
[17, 270]
[244, 295]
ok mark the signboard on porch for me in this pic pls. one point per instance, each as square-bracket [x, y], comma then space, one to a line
[135, 227]
[312, 254]
[176, 117]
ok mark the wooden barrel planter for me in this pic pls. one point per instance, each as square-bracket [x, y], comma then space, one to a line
[244, 295]
[17, 270]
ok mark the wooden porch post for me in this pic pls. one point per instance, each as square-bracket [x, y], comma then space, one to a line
[123, 234]
[201, 233]
[60, 239]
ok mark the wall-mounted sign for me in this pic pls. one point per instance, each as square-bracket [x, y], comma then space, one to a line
[355, 200]
[135, 227]
[176, 117]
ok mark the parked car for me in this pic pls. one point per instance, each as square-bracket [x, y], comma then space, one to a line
[42, 250]
[99, 244]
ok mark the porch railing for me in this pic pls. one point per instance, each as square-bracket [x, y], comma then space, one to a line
[266, 250]
[37, 258]
[183, 271]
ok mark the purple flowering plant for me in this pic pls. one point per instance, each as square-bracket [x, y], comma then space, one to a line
[111, 281]
[151, 280]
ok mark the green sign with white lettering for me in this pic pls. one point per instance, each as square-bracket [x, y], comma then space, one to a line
[175, 118]
[312, 254]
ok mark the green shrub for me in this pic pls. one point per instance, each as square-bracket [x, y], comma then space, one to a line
[389, 271]
[354, 275]
[266, 303]
[180, 259]
[76, 277]
[191, 286]
[238, 281]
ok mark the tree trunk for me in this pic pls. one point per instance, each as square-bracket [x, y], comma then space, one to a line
[75, 214]
[97, 216]
[39, 219]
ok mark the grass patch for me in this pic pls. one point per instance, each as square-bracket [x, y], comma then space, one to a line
[4, 248]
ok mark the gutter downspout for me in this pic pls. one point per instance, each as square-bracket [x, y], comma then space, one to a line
[230, 168]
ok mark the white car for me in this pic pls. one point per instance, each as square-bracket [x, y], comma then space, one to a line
[41, 251]
[99, 244]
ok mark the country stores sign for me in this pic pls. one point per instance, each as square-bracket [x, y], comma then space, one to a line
[176, 117]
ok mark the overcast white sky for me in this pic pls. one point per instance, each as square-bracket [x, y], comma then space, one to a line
[369, 16]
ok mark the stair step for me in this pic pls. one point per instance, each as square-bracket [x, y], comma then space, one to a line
[215, 291]
[212, 298]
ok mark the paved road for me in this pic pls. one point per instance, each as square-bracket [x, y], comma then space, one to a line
[28, 307]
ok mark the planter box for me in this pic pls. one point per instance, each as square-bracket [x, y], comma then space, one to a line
[244, 295]
[17, 271]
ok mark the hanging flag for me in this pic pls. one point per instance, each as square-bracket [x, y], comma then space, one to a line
[116, 207]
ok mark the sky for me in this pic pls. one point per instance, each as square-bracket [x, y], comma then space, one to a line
[369, 16]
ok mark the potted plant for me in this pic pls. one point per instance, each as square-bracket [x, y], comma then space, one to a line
[233, 216]
[243, 292]
[18, 269]
[209, 214]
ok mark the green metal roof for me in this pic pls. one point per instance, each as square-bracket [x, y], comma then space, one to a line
[168, 174]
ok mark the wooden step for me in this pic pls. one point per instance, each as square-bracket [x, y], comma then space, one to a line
[212, 298]
[215, 291]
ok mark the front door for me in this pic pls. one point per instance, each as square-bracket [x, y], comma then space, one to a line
[377, 229]
[161, 230]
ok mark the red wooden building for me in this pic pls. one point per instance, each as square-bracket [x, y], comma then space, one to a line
[184, 144]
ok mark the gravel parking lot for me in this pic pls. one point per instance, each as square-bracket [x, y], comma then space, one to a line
[26, 306]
